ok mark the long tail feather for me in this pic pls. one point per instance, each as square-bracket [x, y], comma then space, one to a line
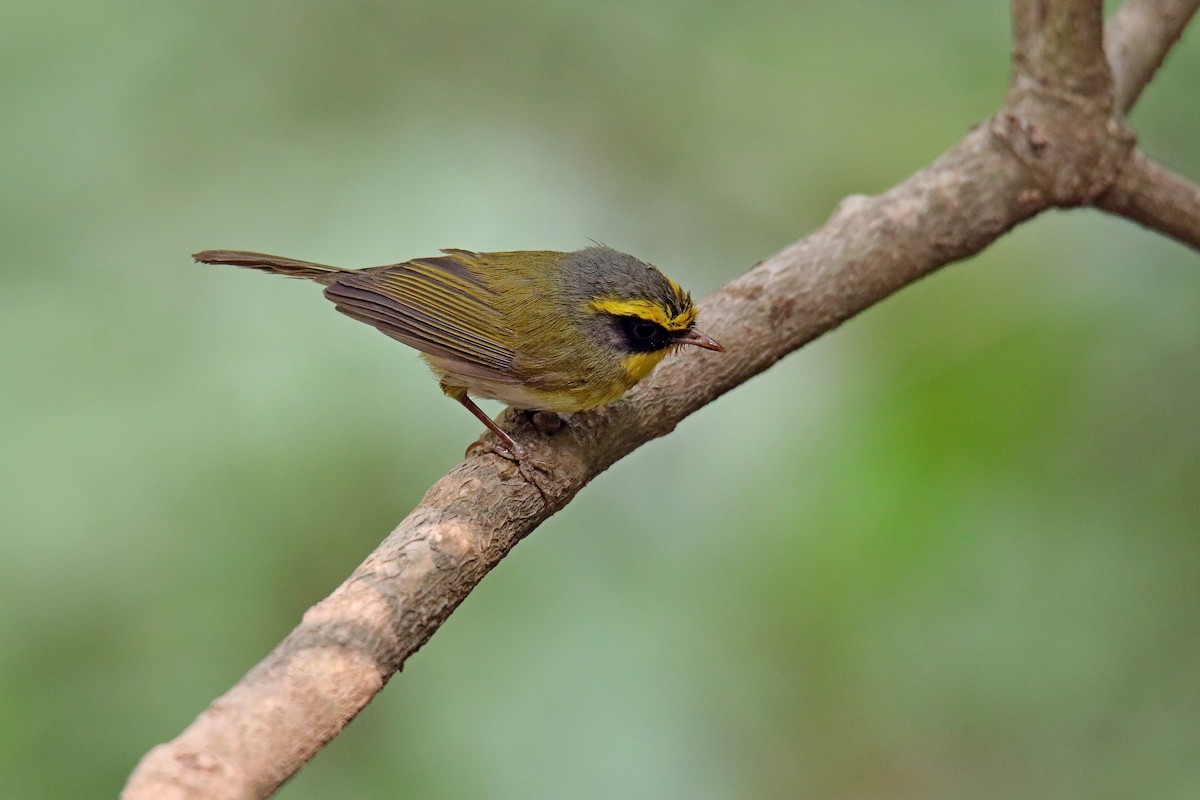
[288, 267]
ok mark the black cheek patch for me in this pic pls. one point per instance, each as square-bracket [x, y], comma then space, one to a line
[643, 336]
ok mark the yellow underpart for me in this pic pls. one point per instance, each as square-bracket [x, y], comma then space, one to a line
[639, 365]
[647, 310]
[584, 396]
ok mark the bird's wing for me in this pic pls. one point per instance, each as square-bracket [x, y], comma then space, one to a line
[437, 305]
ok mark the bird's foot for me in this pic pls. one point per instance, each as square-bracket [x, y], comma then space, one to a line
[508, 450]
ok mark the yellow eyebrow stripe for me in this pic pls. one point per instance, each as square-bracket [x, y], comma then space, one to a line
[647, 310]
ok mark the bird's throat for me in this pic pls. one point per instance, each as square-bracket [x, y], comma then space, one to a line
[639, 365]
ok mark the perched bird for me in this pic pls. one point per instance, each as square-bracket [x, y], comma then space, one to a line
[535, 329]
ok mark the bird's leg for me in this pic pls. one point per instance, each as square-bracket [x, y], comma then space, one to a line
[461, 396]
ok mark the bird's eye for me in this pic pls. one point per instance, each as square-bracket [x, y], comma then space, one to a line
[644, 331]
[642, 335]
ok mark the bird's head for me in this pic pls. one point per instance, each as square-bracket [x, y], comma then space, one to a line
[634, 307]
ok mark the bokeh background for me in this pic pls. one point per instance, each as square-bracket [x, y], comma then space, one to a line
[951, 550]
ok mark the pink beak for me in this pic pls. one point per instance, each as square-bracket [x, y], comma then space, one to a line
[700, 340]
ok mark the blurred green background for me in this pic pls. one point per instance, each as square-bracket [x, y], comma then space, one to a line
[949, 551]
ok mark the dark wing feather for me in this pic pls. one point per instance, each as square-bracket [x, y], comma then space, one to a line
[437, 305]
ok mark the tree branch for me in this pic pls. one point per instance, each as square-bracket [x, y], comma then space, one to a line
[1140, 35]
[1058, 113]
[1157, 198]
[1030, 156]
[1058, 45]
[254, 737]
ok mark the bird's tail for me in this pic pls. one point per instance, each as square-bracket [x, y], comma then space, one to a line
[288, 267]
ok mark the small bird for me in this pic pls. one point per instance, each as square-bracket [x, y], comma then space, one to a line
[535, 329]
